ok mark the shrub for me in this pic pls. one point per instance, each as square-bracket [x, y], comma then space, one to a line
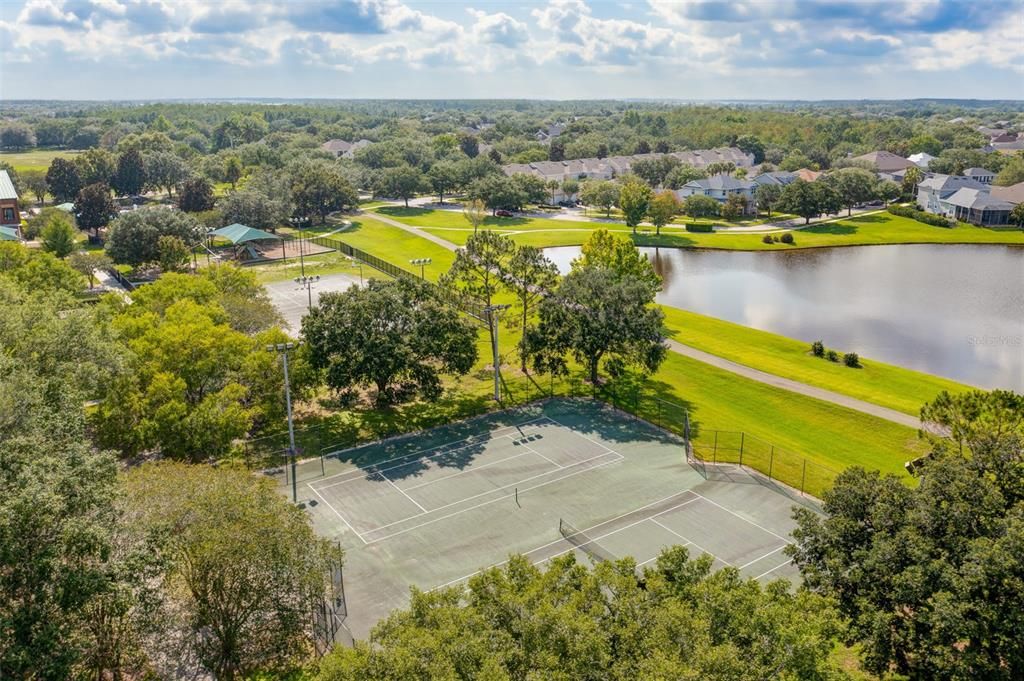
[818, 348]
[921, 216]
[832, 355]
[851, 360]
[768, 239]
[702, 229]
[787, 238]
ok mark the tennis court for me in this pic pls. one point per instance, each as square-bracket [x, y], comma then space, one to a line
[561, 476]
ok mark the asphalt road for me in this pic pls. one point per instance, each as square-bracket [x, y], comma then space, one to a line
[292, 300]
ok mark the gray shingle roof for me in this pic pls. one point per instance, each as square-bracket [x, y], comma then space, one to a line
[978, 199]
[7, 190]
[949, 183]
[721, 182]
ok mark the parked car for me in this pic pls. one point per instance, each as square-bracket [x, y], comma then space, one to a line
[503, 213]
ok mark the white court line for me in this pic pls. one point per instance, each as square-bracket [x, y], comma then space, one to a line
[337, 514]
[770, 553]
[760, 527]
[491, 501]
[563, 539]
[468, 470]
[773, 569]
[688, 541]
[469, 441]
[572, 430]
[403, 493]
[556, 465]
[381, 471]
[492, 491]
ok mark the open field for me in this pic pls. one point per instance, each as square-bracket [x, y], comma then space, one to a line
[434, 508]
[883, 384]
[37, 159]
[878, 228]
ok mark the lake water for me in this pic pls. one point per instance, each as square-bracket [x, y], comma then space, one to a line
[955, 311]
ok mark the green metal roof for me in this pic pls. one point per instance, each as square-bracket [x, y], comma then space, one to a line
[237, 234]
[66, 207]
[7, 186]
[9, 234]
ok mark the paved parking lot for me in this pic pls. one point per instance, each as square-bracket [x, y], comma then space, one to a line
[292, 300]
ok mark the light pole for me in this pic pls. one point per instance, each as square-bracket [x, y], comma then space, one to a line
[307, 283]
[283, 349]
[492, 323]
[422, 262]
[298, 223]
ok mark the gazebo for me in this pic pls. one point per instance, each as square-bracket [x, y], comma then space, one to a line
[241, 235]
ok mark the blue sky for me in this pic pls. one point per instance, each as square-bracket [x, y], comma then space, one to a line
[684, 49]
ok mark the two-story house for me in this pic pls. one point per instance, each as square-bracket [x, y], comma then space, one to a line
[719, 187]
[933, 191]
[980, 174]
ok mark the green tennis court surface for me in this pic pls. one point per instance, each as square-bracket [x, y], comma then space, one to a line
[434, 508]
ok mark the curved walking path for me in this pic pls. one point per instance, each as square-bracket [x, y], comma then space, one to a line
[730, 366]
[444, 243]
[796, 386]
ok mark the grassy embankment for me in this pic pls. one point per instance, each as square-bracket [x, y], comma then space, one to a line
[876, 228]
[826, 434]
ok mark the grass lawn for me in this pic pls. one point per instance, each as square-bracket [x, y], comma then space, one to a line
[396, 245]
[883, 384]
[878, 228]
[37, 159]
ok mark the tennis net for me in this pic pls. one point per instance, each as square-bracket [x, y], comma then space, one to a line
[584, 543]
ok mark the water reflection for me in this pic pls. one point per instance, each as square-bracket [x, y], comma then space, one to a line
[955, 311]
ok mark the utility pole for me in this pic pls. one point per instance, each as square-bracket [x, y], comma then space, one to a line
[298, 223]
[492, 323]
[307, 283]
[283, 349]
[422, 262]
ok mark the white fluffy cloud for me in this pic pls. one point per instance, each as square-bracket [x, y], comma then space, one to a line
[709, 38]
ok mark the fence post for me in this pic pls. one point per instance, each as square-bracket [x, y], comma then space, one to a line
[658, 412]
[636, 405]
[714, 456]
[803, 477]
[742, 437]
[771, 461]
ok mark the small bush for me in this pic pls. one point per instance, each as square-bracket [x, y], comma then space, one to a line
[818, 348]
[832, 355]
[851, 360]
[768, 239]
[701, 229]
[787, 238]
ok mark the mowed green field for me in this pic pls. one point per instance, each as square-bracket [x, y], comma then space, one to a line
[37, 159]
[870, 229]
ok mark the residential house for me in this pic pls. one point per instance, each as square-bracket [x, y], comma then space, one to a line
[1006, 147]
[1003, 137]
[921, 159]
[343, 148]
[980, 174]
[549, 133]
[9, 215]
[719, 187]
[779, 178]
[933, 191]
[1014, 193]
[808, 175]
[885, 162]
[978, 207]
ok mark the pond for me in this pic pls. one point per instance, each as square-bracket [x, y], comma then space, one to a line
[955, 311]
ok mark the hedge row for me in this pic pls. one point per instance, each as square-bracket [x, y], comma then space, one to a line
[921, 216]
[703, 229]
